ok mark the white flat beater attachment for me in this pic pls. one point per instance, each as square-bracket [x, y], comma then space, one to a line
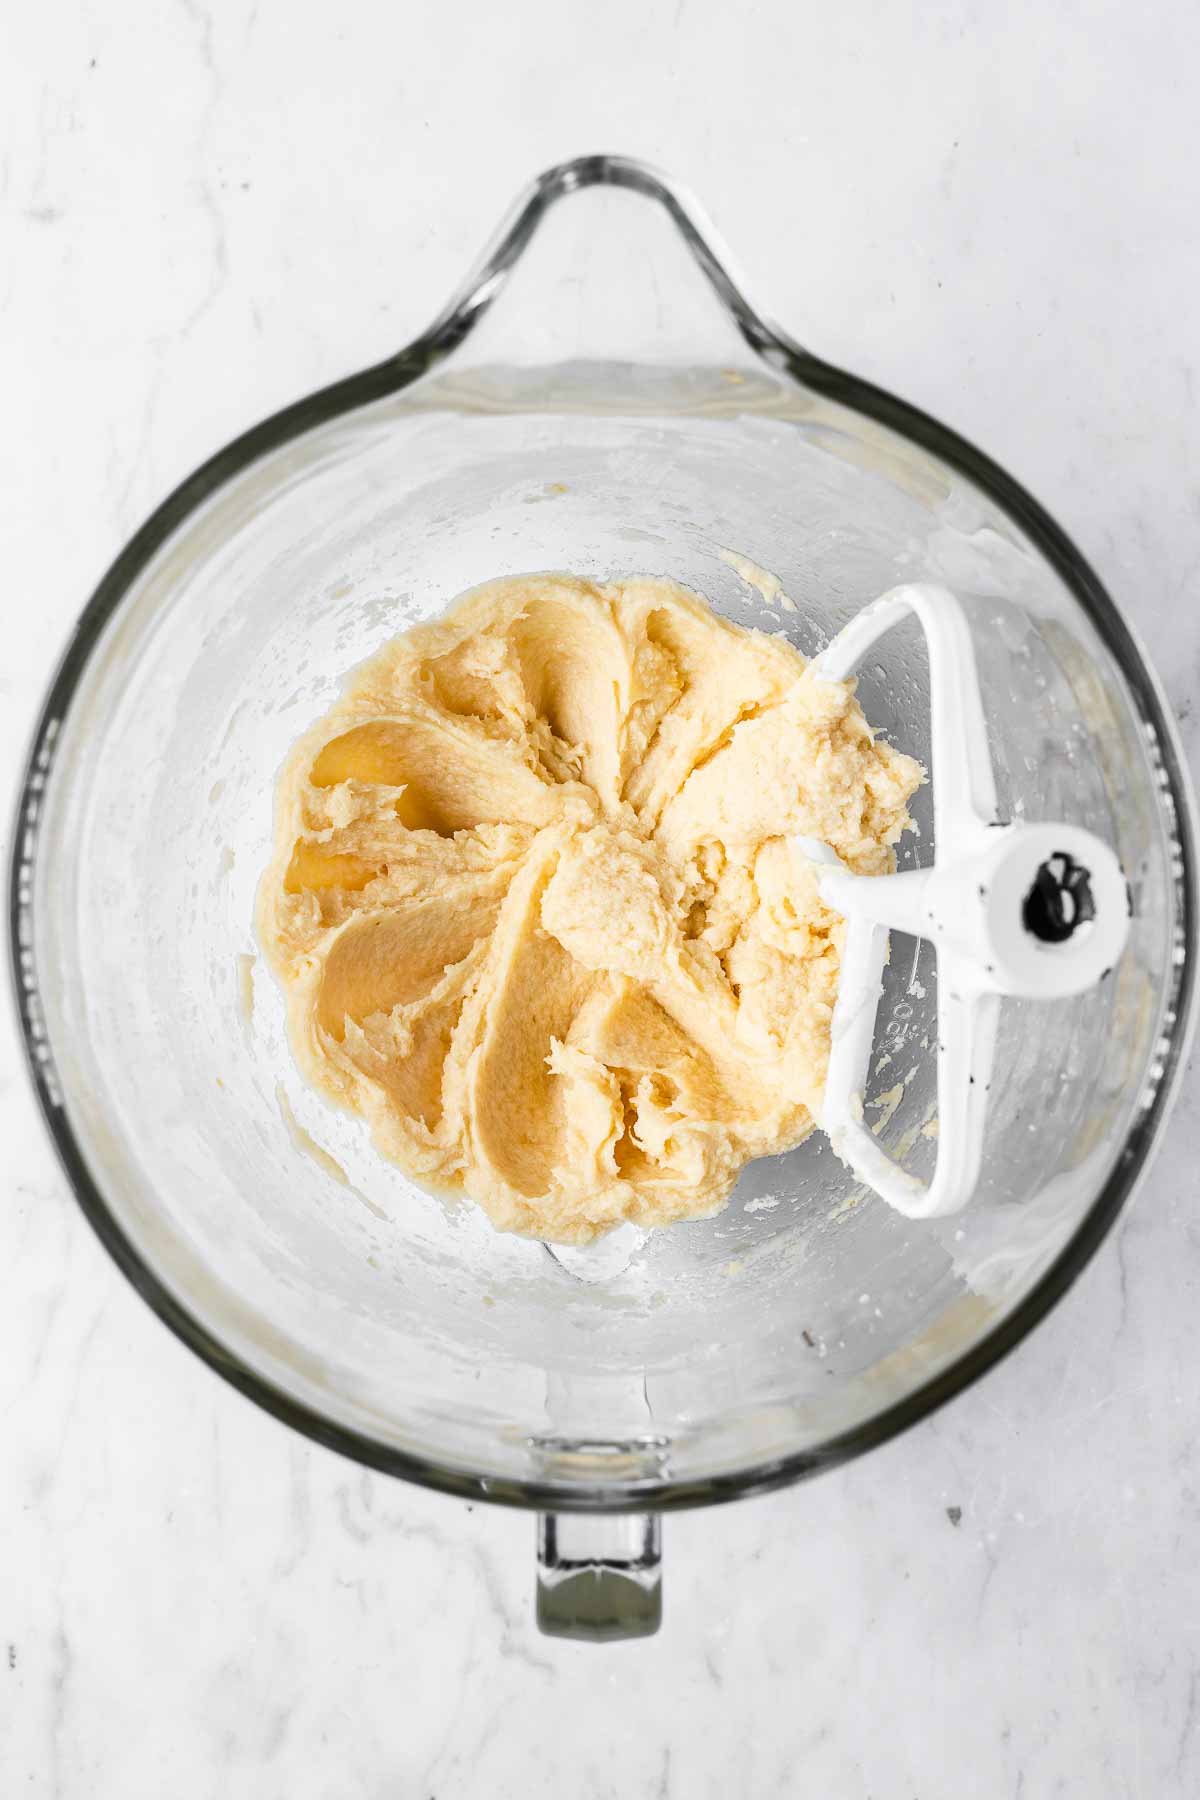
[1036, 910]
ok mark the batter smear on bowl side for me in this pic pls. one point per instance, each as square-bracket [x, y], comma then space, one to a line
[534, 907]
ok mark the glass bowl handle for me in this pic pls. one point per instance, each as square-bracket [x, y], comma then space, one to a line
[599, 1575]
[555, 283]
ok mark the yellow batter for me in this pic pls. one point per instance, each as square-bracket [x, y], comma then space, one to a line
[535, 910]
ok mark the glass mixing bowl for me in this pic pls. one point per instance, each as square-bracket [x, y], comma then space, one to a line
[614, 414]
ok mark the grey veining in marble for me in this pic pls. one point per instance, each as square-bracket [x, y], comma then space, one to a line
[208, 208]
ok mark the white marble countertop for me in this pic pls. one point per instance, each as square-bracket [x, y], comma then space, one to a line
[208, 209]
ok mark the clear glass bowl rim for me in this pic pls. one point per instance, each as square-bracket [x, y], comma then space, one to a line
[784, 356]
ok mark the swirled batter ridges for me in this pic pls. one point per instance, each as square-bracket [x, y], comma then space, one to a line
[534, 907]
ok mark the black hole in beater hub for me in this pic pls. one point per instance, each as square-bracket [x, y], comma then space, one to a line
[1059, 901]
